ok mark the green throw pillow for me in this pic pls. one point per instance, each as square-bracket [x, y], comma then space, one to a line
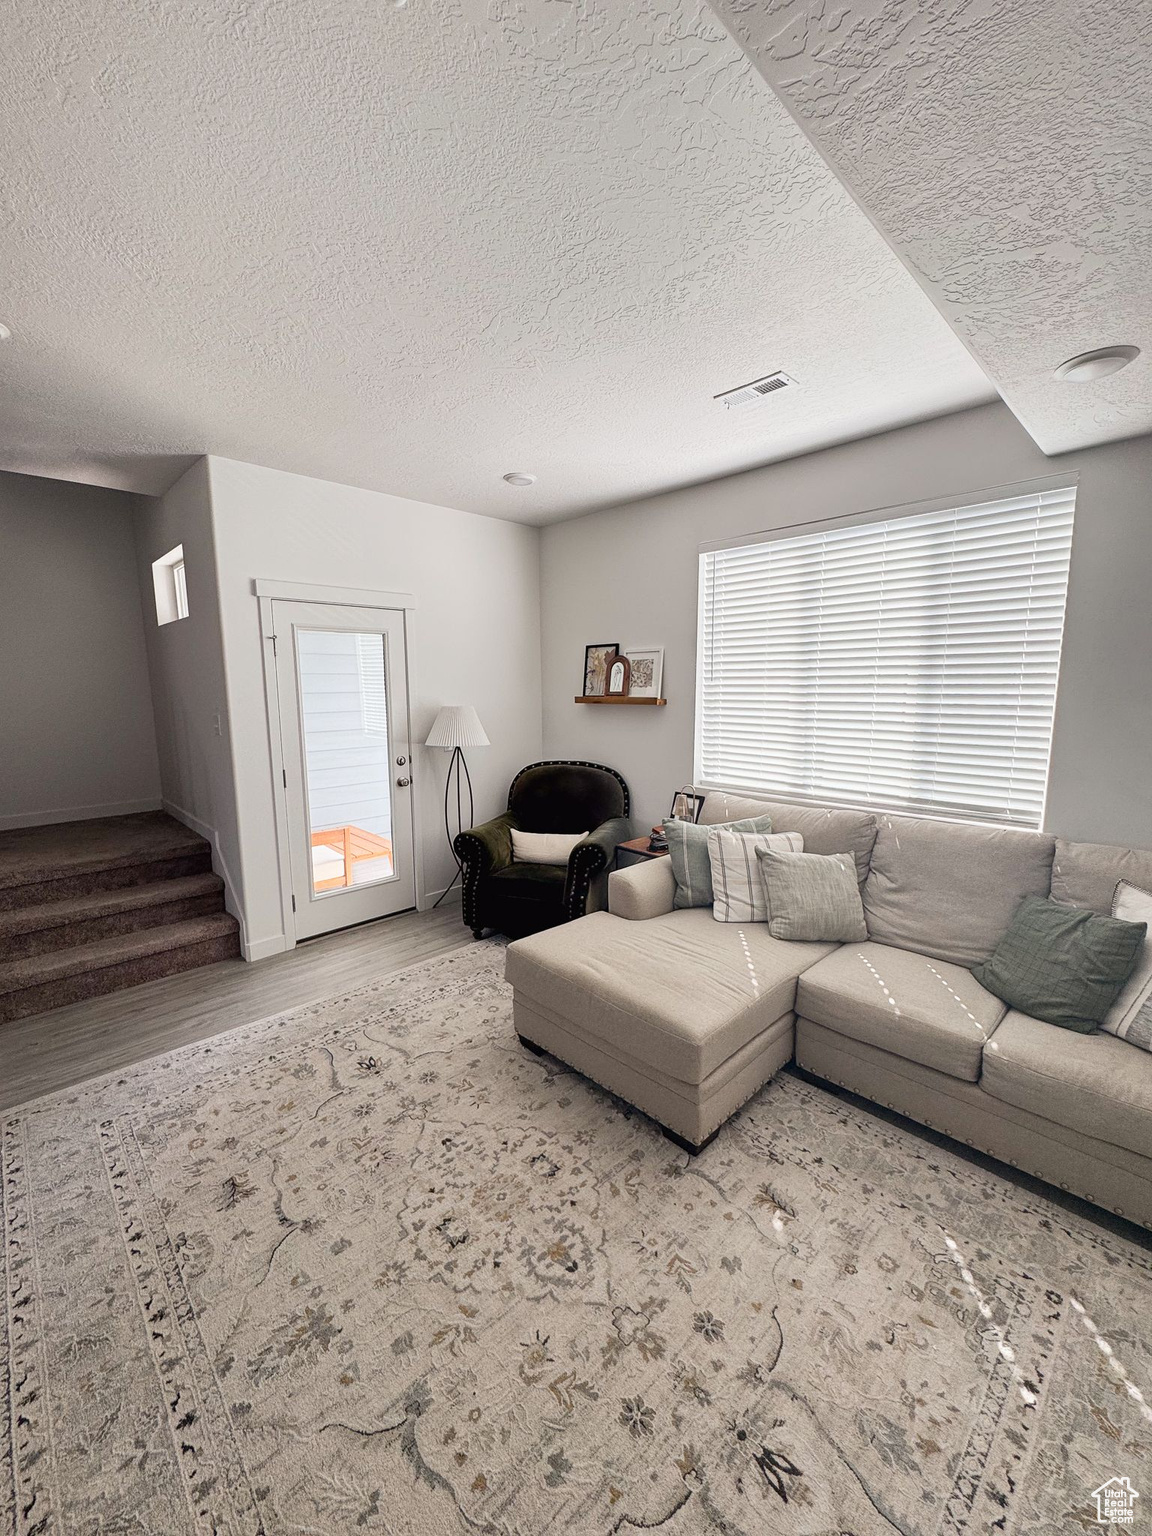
[688, 851]
[1065, 965]
[812, 896]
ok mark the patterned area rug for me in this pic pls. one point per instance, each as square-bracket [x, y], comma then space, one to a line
[372, 1267]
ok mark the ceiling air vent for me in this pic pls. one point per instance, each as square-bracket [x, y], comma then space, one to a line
[759, 389]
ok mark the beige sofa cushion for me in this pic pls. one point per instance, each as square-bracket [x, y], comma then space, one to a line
[823, 831]
[680, 991]
[950, 890]
[1098, 1170]
[926, 1010]
[1095, 1084]
[1087, 874]
[643, 890]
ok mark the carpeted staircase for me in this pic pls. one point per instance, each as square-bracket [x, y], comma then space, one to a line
[88, 907]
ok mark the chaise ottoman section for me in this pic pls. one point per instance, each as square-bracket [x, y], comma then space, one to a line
[681, 1015]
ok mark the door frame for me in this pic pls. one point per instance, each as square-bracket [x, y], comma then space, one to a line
[345, 597]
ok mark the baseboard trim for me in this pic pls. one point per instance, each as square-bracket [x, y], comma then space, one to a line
[264, 949]
[220, 865]
[428, 899]
[79, 813]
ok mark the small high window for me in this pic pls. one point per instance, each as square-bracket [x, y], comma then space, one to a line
[171, 587]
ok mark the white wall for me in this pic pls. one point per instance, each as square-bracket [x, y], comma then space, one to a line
[186, 665]
[629, 574]
[475, 638]
[76, 737]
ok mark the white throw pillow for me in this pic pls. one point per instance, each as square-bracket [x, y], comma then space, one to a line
[1130, 1016]
[544, 847]
[737, 889]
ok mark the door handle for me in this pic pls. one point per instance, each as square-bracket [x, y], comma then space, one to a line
[403, 783]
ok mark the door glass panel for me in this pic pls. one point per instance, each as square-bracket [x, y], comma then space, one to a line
[347, 763]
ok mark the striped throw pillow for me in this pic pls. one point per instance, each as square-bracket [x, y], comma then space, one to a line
[737, 889]
[1130, 1016]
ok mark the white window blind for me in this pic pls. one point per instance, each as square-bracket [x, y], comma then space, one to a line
[180, 584]
[373, 701]
[908, 664]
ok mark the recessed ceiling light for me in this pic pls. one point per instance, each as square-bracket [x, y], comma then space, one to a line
[1096, 365]
[517, 477]
[5, 333]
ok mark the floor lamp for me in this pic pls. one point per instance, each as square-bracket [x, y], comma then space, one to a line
[456, 726]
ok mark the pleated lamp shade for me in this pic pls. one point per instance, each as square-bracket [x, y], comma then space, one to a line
[457, 725]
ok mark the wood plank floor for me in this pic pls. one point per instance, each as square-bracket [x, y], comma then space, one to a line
[55, 1050]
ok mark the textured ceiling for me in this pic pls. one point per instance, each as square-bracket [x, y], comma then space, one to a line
[412, 246]
[1004, 149]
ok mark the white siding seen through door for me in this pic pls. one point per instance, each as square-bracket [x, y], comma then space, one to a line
[346, 734]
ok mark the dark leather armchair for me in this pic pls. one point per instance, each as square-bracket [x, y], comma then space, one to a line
[518, 899]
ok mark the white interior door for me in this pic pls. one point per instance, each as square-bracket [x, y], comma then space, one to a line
[341, 675]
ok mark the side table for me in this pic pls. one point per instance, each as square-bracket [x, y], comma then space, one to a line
[638, 847]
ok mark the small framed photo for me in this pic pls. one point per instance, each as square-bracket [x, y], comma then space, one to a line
[647, 664]
[686, 806]
[596, 659]
[619, 672]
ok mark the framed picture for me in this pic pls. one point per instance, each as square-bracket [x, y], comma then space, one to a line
[647, 664]
[619, 672]
[686, 805]
[596, 659]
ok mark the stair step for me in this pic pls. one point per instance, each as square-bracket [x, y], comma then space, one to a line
[78, 920]
[38, 982]
[110, 877]
[57, 863]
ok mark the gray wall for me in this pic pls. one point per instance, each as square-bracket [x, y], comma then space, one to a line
[76, 736]
[186, 664]
[629, 574]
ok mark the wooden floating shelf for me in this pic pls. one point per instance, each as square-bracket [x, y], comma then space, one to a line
[605, 698]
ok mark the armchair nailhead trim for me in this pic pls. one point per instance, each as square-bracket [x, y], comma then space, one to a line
[588, 863]
[573, 762]
[468, 848]
[584, 869]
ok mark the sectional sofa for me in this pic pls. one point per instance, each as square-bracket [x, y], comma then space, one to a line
[687, 1017]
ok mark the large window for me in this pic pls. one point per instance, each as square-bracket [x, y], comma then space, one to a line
[908, 664]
